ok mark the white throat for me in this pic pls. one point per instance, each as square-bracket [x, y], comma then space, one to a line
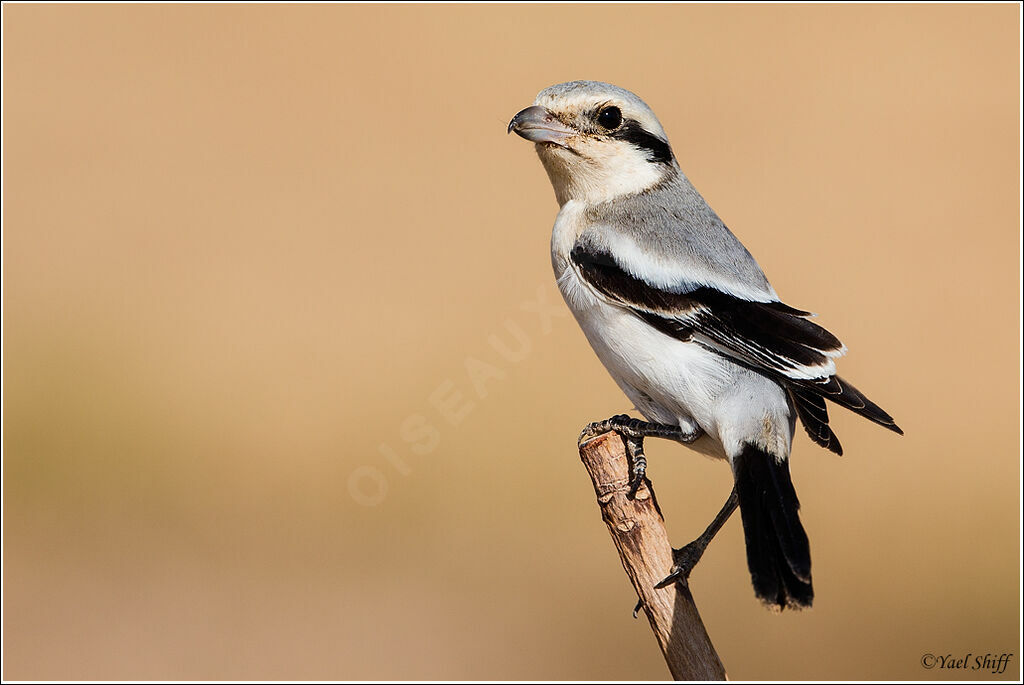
[605, 175]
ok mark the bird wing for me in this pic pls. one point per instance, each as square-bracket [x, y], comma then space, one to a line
[766, 336]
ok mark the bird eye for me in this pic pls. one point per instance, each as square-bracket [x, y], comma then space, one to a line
[609, 117]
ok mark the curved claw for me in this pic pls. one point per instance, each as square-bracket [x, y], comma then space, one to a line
[635, 484]
[587, 434]
[685, 559]
[596, 428]
[678, 575]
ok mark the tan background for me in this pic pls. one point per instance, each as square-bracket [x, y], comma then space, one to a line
[244, 246]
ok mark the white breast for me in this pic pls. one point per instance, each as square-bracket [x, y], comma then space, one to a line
[668, 380]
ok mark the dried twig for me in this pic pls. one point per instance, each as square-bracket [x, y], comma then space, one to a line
[637, 528]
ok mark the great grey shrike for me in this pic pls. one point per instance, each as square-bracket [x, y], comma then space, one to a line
[686, 323]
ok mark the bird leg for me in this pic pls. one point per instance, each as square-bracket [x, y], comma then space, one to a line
[633, 432]
[686, 558]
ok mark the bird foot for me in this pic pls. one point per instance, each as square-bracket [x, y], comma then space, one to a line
[623, 424]
[628, 427]
[632, 432]
[684, 559]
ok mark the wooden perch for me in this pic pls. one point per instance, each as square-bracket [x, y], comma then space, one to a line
[637, 528]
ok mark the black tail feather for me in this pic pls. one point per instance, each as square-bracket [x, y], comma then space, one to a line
[778, 553]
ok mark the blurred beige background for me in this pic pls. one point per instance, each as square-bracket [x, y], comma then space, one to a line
[290, 393]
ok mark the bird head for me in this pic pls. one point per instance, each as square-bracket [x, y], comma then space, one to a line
[596, 141]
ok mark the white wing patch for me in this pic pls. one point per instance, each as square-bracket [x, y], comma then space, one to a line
[674, 277]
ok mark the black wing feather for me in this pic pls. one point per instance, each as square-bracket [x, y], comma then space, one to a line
[769, 337]
[813, 414]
